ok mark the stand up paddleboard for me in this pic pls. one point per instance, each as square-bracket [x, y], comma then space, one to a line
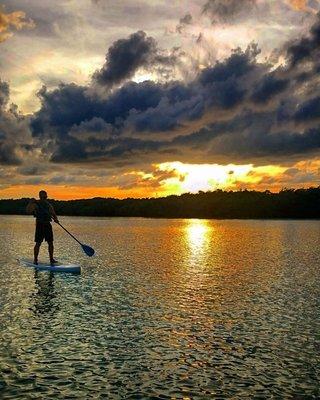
[57, 267]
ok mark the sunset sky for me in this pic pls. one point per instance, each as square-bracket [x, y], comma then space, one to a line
[141, 98]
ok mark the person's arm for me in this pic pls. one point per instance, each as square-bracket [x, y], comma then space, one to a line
[32, 206]
[53, 214]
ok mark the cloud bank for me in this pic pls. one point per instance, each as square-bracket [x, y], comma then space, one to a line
[238, 109]
[14, 130]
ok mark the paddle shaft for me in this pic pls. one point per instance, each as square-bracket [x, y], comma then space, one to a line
[69, 233]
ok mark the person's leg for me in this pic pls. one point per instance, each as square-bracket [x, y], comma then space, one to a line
[38, 238]
[36, 252]
[51, 249]
[49, 239]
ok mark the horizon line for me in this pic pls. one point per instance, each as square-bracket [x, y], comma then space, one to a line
[176, 195]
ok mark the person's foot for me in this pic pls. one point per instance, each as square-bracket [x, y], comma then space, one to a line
[35, 262]
[53, 261]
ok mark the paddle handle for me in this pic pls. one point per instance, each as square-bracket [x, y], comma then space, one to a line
[69, 233]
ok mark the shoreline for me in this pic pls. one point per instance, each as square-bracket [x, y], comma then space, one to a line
[174, 218]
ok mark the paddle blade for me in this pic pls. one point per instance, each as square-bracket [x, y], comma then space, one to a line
[88, 250]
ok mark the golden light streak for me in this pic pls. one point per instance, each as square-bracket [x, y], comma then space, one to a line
[72, 192]
[197, 231]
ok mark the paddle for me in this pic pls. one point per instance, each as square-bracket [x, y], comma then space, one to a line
[87, 249]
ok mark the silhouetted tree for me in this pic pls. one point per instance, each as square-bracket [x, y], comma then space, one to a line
[243, 204]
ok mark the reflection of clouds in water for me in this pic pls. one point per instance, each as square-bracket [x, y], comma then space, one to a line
[44, 294]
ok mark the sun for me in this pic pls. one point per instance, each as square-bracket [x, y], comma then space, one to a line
[195, 177]
[192, 178]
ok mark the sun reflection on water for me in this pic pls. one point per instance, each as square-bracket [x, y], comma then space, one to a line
[198, 235]
[197, 232]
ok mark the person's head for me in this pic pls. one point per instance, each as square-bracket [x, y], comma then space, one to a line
[43, 195]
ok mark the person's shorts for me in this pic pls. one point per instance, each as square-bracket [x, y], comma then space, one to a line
[43, 231]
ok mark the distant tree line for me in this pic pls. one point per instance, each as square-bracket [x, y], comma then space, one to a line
[245, 204]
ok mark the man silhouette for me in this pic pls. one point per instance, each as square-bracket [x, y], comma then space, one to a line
[43, 211]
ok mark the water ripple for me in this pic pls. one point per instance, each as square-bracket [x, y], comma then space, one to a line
[168, 309]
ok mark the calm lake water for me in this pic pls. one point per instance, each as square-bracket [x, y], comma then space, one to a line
[167, 309]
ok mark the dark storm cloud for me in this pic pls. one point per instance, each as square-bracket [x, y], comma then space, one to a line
[149, 106]
[7, 149]
[306, 47]
[284, 143]
[70, 151]
[70, 105]
[121, 152]
[13, 129]
[269, 87]
[4, 94]
[8, 154]
[237, 65]
[248, 110]
[309, 110]
[126, 56]
[62, 108]
[94, 128]
[250, 136]
[145, 107]
[227, 10]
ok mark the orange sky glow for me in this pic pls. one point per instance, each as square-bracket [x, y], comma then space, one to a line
[178, 178]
